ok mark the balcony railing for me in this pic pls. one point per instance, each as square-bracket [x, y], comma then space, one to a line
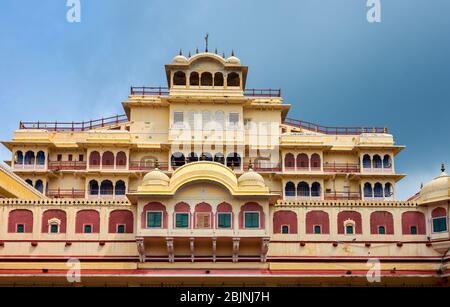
[67, 165]
[342, 196]
[74, 126]
[302, 169]
[341, 168]
[145, 166]
[333, 130]
[369, 169]
[19, 166]
[66, 193]
[164, 91]
[264, 168]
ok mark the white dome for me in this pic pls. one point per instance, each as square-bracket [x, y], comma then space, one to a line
[155, 177]
[437, 189]
[233, 60]
[179, 59]
[251, 178]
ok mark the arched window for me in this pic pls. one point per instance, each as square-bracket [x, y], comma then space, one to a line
[179, 78]
[315, 161]
[29, 158]
[154, 215]
[108, 159]
[93, 187]
[177, 159]
[289, 190]
[317, 222]
[218, 79]
[40, 158]
[20, 221]
[203, 216]
[52, 218]
[367, 161]
[120, 188]
[439, 220]
[315, 189]
[106, 188]
[368, 190]
[121, 159]
[207, 79]
[233, 79]
[94, 158]
[219, 158]
[220, 120]
[413, 223]
[87, 221]
[376, 161]
[39, 185]
[378, 190]
[381, 222]
[29, 181]
[18, 157]
[387, 162]
[388, 192]
[192, 157]
[224, 216]
[120, 221]
[194, 78]
[234, 160]
[206, 156]
[302, 161]
[289, 161]
[346, 218]
[285, 221]
[303, 189]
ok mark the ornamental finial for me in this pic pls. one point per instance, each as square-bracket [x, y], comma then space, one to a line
[250, 165]
[156, 164]
[443, 168]
[232, 52]
[181, 52]
[206, 42]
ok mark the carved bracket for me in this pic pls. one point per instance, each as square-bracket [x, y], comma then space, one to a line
[170, 249]
[141, 249]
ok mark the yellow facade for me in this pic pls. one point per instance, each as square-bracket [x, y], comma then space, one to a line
[207, 181]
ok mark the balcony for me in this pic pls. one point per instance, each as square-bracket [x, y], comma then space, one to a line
[300, 169]
[67, 165]
[146, 166]
[66, 193]
[333, 130]
[341, 167]
[164, 91]
[74, 126]
[342, 195]
[28, 167]
[299, 197]
[377, 170]
[268, 167]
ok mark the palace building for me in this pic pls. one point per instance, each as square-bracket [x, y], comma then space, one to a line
[208, 182]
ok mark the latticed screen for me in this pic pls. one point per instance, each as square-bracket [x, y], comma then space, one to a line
[203, 220]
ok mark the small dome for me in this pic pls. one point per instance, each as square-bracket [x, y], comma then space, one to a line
[251, 178]
[179, 59]
[155, 177]
[233, 60]
[437, 189]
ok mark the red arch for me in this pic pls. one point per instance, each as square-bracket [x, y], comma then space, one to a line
[349, 215]
[20, 216]
[285, 217]
[315, 218]
[184, 208]
[154, 206]
[439, 212]
[108, 159]
[54, 214]
[413, 218]
[206, 208]
[302, 161]
[121, 217]
[381, 218]
[84, 217]
[252, 206]
[94, 158]
[289, 161]
[315, 161]
[121, 159]
[225, 207]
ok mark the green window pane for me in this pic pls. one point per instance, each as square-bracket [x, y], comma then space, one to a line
[224, 220]
[251, 220]
[121, 229]
[182, 220]
[381, 230]
[20, 228]
[154, 219]
[317, 229]
[413, 230]
[87, 229]
[349, 229]
[53, 228]
[285, 229]
[440, 224]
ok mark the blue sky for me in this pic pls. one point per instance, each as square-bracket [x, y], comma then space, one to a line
[334, 67]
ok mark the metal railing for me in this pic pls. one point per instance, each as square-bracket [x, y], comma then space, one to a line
[342, 195]
[65, 193]
[333, 130]
[341, 167]
[164, 91]
[75, 126]
[66, 165]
